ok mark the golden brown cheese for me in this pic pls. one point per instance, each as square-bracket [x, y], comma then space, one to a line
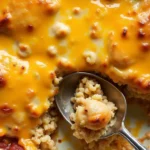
[22, 16]
[39, 36]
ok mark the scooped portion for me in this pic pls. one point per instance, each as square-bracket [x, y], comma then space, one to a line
[94, 114]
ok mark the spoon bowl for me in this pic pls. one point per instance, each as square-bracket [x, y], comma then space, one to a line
[67, 89]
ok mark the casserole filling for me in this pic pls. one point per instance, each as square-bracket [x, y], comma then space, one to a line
[94, 114]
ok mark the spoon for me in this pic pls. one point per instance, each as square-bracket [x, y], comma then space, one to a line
[66, 92]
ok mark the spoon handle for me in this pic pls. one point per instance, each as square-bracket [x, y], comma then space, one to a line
[127, 135]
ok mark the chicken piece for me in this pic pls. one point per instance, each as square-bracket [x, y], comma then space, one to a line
[93, 115]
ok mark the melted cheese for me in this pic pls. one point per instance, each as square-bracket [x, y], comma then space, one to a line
[117, 32]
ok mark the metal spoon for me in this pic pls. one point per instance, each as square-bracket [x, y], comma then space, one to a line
[67, 89]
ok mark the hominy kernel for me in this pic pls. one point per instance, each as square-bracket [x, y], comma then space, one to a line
[60, 30]
[141, 33]
[76, 10]
[24, 50]
[97, 97]
[57, 80]
[92, 88]
[81, 89]
[87, 91]
[53, 7]
[90, 57]
[93, 34]
[52, 51]
[79, 94]
[145, 47]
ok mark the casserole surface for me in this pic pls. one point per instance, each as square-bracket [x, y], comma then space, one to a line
[40, 39]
